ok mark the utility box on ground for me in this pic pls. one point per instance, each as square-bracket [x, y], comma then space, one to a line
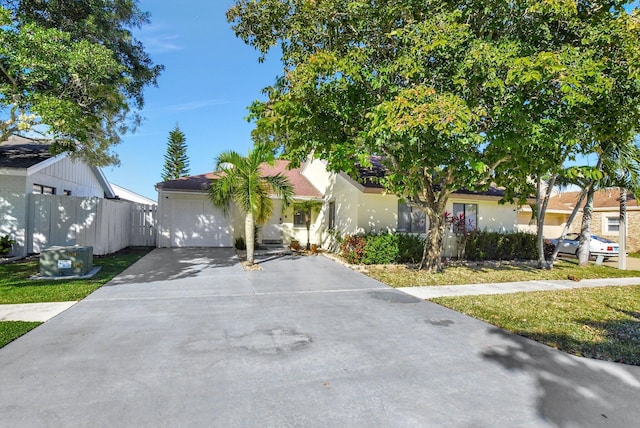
[66, 261]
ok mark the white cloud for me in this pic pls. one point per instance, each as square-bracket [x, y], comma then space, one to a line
[156, 40]
[197, 105]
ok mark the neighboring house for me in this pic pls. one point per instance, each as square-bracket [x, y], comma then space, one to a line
[127, 195]
[27, 167]
[348, 206]
[605, 220]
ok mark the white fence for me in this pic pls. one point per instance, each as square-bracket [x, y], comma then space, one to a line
[106, 225]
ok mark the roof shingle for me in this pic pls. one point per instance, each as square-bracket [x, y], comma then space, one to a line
[200, 183]
[21, 152]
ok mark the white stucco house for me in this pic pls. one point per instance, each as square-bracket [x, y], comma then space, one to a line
[347, 206]
[27, 167]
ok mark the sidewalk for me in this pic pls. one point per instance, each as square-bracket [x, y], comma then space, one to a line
[430, 292]
[38, 312]
[42, 312]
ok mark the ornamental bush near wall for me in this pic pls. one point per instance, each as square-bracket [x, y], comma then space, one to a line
[382, 248]
[483, 245]
[5, 245]
[389, 248]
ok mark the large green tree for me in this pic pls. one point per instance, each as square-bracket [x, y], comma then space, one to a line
[242, 182]
[452, 94]
[176, 161]
[73, 71]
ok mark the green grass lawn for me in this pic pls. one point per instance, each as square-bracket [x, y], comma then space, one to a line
[11, 330]
[16, 287]
[602, 323]
[403, 276]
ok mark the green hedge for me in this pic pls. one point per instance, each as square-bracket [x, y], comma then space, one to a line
[483, 245]
[383, 248]
[388, 248]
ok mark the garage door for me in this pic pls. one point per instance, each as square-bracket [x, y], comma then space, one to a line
[193, 222]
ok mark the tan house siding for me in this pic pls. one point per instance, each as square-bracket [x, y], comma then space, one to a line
[633, 231]
[598, 227]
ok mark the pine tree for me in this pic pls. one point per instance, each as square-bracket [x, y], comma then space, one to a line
[176, 163]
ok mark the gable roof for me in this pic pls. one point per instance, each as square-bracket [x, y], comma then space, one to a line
[369, 179]
[605, 199]
[200, 183]
[21, 152]
[29, 153]
[128, 195]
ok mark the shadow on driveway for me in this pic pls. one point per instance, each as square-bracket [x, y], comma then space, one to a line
[164, 264]
[571, 391]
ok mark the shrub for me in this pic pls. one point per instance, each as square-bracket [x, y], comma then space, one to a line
[483, 245]
[5, 244]
[352, 248]
[240, 244]
[410, 248]
[383, 248]
[380, 249]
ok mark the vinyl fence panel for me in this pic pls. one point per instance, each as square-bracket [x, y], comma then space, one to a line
[106, 225]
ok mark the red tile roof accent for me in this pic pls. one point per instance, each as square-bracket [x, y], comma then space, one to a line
[606, 198]
[200, 183]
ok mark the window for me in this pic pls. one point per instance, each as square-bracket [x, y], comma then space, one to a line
[66, 192]
[39, 189]
[613, 224]
[298, 218]
[332, 216]
[411, 219]
[466, 212]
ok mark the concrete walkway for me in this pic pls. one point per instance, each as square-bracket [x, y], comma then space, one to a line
[431, 292]
[42, 312]
[38, 312]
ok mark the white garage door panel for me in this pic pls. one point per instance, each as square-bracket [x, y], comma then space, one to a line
[195, 223]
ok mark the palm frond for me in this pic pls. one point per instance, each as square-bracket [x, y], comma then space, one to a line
[242, 183]
[280, 186]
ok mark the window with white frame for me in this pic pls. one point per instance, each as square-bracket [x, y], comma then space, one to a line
[612, 224]
[411, 219]
[467, 214]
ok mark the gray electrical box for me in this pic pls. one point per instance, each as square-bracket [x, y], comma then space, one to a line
[66, 261]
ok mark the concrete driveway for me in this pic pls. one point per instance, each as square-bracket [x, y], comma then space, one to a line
[188, 338]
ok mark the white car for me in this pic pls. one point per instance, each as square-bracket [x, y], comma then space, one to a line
[598, 246]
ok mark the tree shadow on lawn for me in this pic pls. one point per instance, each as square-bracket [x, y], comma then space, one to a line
[572, 391]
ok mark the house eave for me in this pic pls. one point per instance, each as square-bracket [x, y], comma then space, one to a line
[45, 163]
[18, 172]
[106, 186]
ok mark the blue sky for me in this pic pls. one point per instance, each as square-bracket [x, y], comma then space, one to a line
[210, 78]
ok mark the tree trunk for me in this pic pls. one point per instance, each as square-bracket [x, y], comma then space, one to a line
[249, 231]
[567, 225]
[541, 205]
[585, 229]
[307, 221]
[622, 240]
[542, 262]
[432, 254]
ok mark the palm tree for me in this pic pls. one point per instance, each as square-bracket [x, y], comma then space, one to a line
[620, 162]
[307, 207]
[241, 182]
